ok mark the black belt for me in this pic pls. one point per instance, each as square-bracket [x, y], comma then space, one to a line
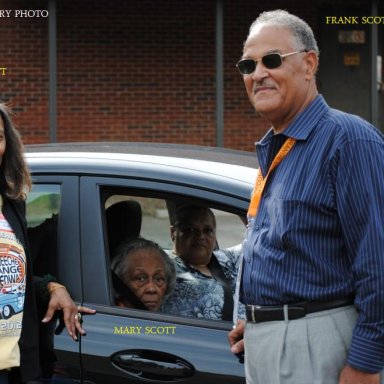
[259, 314]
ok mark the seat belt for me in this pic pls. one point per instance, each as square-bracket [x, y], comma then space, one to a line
[218, 273]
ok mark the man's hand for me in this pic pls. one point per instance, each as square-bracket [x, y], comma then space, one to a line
[235, 338]
[351, 375]
[61, 300]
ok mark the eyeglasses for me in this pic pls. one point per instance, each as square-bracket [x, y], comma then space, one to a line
[193, 231]
[270, 61]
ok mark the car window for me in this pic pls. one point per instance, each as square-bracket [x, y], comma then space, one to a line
[154, 218]
[155, 221]
[42, 202]
[43, 206]
[133, 215]
[230, 228]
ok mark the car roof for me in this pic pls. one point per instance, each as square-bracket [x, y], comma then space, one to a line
[217, 154]
[112, 158]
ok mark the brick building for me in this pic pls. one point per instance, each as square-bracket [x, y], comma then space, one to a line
[164, 70]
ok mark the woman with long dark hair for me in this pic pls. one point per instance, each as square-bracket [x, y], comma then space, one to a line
[19, 322]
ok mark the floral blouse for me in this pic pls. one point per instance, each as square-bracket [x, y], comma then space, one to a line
[199, 295]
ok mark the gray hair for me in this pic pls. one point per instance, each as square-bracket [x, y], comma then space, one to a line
[128, 247]
[301, 31]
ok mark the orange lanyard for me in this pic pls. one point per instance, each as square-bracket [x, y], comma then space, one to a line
[261, 181]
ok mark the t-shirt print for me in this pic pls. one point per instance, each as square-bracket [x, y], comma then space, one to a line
[12, 294]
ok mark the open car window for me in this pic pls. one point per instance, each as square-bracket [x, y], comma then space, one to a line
[155, 221]
[132, 214]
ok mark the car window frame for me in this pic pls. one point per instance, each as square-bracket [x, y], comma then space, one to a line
[68, 269]
[91, 189]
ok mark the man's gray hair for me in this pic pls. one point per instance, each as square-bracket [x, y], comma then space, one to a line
[300, 29]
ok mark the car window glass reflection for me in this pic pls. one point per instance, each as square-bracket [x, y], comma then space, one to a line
[43, 205]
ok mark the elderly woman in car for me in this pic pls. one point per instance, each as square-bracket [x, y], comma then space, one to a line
[206, 277]
[143, 275]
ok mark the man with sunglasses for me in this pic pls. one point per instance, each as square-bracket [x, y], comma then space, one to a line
[313, 259]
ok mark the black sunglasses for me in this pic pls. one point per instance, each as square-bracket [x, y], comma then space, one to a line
[270, 61]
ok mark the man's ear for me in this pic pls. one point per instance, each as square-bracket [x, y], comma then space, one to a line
[311, 63]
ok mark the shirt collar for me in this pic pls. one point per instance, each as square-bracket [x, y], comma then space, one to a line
[302, 126]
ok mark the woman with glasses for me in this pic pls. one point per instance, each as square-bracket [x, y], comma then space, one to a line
[206, 277]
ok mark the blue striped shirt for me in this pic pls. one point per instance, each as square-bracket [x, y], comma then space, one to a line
[319, 231]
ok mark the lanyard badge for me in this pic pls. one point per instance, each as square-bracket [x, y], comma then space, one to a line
[252, 211]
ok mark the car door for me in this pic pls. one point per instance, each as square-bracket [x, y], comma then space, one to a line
[133, 346]
[53, 230]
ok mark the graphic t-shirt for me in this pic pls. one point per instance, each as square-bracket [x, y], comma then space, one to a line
[12, 294]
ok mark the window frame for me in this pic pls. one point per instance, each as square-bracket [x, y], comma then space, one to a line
[68, 255]
[94, 248]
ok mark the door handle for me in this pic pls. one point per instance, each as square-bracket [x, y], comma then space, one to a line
[154, 365]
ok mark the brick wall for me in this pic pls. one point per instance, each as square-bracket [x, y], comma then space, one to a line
[140, 70]
[24, 53]
[133, 70]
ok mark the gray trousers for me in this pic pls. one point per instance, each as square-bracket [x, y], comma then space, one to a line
[310, 350]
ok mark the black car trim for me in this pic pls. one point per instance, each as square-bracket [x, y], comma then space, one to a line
[159, 317]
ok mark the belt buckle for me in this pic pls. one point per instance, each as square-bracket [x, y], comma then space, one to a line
[261, 313]
[253, 312]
